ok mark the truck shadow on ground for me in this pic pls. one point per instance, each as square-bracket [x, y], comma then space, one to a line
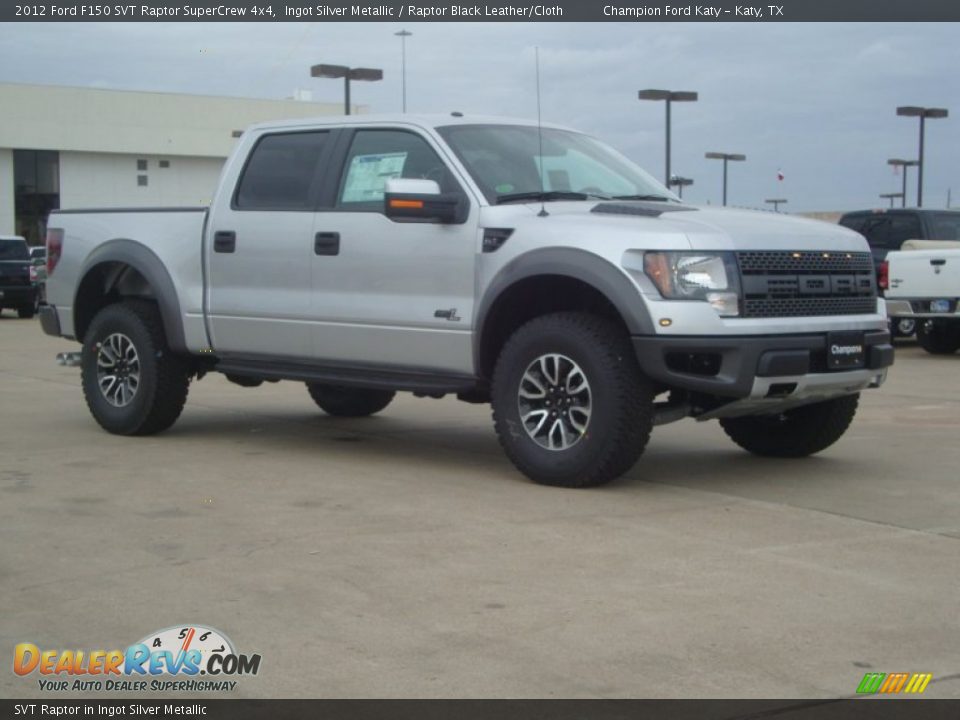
[382, 442]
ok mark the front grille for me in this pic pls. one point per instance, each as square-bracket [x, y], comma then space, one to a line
[795, 284]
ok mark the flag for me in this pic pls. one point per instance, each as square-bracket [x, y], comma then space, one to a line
[780, 175]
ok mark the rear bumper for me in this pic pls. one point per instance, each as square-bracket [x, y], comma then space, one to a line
[919, 308]
[17, 295]
[758, 367]
[49, 320]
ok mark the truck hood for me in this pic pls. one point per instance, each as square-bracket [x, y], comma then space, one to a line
[701, 227]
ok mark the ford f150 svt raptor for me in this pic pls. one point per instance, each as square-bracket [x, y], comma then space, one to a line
[538, 270]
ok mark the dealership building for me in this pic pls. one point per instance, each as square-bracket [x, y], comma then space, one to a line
[71, 147]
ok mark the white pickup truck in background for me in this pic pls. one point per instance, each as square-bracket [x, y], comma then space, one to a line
[922, 281]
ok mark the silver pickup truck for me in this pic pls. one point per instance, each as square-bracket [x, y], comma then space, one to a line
[535, 269]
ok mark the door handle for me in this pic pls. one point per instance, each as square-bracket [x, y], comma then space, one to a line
[938, 261]
[326, 243]
[224, 241]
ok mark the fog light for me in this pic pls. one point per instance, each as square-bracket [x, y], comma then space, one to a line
[724, 303]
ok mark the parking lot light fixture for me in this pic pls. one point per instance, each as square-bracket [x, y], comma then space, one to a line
[668, 96]
[680, 183]
[348, 74]
[726, 157]
[897, 162]
[923, 113]
[891, 197]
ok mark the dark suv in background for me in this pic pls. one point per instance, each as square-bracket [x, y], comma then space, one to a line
[887, 230]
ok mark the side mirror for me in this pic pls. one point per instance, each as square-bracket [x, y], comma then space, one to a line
[413, 200]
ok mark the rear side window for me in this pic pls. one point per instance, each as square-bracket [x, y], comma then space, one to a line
[281, 173]
[854, 222]
[14, 250]
[945, 226]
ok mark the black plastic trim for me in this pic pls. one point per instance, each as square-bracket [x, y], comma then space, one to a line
[49, 320]
[144, 261]
[741, 358]
[365, 376]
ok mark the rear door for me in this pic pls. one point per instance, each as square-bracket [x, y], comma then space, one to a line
[260, 245]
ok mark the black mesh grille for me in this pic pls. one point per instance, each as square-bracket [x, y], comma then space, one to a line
[795, 284]
[798, 307]
[776, 262]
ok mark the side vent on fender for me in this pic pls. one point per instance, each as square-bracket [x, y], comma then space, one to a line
[494, 238]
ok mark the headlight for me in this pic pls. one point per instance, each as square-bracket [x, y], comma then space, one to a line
[711, 277]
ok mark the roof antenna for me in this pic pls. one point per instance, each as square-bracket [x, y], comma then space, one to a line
[543, 207]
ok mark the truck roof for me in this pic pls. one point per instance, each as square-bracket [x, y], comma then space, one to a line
[426, 121]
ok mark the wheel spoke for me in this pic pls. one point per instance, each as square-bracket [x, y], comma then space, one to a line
[554, 401]
[118, 369]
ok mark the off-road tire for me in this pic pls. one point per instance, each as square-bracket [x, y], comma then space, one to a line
[25, 312]
[347, 401]
[795, 433]
[164, 376]
[621, 400]
[938, 338]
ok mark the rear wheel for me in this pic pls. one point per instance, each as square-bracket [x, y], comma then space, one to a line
[570, 405]
[938, 337]
[133, 383]
[349, 402]
[799, 432]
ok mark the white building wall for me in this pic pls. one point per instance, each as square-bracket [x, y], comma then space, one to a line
[7, 224]
[91, 180]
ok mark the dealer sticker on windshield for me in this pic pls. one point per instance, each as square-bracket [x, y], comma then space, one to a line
[845, 350]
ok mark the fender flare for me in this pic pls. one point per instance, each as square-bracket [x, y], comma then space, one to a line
[573, 263]
[144, 261]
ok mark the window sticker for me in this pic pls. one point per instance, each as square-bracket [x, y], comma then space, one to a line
[368, 174]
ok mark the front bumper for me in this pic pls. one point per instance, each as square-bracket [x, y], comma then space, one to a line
[768, 367]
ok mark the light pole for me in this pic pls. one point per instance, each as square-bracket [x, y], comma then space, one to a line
[670, 96]
[891, 197]
[776, 202]
[896, 162]
[681, 183]
[348, 74]
[403, 35]
[726, 157]
[923, 113]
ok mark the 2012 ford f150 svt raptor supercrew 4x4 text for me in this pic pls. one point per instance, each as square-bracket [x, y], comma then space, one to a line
[535, 269]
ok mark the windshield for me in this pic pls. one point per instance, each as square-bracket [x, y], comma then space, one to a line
[14, 250]
[505, 161]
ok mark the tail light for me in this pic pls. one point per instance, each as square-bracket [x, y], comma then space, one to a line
[54, 248]
[883, 276]
[33, 274]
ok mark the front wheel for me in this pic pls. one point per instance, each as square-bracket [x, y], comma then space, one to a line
[938, 337]
[570, 405]
[347, 401]
[799, 432]
[133, 383]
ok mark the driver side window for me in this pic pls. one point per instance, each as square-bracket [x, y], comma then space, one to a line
[376, 156]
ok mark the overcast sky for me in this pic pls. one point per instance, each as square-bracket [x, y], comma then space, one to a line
[816, 101]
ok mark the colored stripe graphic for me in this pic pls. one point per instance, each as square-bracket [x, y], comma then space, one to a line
[893, 683]
[871, 683]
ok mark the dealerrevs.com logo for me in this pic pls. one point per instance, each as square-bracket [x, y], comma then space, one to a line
[187, 658]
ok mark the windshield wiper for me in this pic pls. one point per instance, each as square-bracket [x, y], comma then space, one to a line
[544, 196]
[655, 198]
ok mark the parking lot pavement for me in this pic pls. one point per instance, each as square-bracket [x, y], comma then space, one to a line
[402, 556]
